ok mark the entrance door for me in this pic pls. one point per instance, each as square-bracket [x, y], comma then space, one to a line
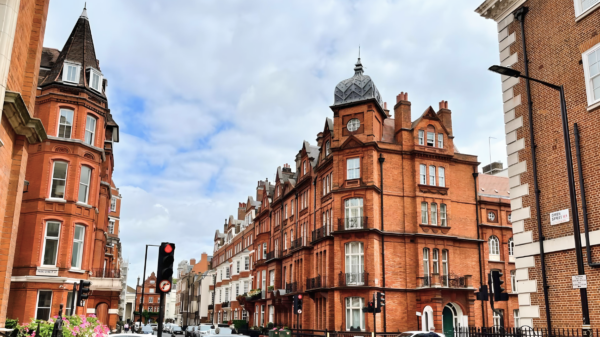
[448, 322]
[102, 313]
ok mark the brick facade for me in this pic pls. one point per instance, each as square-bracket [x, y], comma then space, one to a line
[559, 37]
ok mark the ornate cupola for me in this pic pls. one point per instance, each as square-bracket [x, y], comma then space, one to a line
[357, 88]
[76, 65]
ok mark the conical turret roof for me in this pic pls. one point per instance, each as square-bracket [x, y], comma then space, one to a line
[79, 49]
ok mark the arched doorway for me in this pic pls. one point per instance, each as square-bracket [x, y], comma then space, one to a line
[427, 318]
[452, 318]
[102, 313]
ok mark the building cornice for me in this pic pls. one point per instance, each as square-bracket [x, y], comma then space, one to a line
[498, 9]
[21, 121]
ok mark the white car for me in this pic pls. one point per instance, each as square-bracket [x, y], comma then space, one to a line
[418, 334]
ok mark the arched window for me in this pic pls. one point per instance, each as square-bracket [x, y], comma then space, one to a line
[443, 221]
[494, 247]
[511, 247]
[354, 213]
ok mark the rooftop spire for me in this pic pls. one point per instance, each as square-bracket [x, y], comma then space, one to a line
[84, 13]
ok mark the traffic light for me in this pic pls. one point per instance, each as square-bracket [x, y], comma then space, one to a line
[295, 303]
[83, 292]
[482, 295]
[380, 300]
[369, 307]
[299, 309]
[499, 294]
[164, 270]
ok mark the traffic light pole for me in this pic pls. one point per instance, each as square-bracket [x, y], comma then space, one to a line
[143, 284]
[73, 298]
[374, 313]
[161, 314]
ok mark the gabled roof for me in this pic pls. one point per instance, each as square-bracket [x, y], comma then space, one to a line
[79, 48]
[493, 186]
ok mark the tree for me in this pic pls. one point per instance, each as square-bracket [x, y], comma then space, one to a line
[146, 316]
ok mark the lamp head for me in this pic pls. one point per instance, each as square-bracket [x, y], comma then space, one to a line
[505, 71]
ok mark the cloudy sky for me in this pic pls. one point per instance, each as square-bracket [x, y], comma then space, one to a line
[212, 96]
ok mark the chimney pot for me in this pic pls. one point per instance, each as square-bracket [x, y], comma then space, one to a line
[385, 105]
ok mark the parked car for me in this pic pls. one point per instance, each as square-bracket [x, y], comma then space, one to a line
[166, 327]
[202, 330]
[189, 331]
[418, 334]
[219, 331]
[175, 330]
[147, 330]
[154, 326]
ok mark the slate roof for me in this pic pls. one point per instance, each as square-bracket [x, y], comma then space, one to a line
[79, 48]
[356, 88]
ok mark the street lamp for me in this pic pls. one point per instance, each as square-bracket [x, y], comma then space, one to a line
[570, 175]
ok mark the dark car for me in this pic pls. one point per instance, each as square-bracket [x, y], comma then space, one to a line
[189, 331]
[176, 330]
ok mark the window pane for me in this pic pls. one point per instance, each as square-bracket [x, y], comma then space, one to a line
[52, 229]
[90, 128]
[65, 123]
[84, 182]
[43, 305]
[59, 180]
[432, 175]
[434, 214]
[442, 176]
[423, 212]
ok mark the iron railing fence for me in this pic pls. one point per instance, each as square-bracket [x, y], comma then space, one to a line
[353, 223]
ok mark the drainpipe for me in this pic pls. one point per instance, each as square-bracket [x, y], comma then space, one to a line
[481, 281]
[588, 246]
[520, 16]
[315, 206]
[381, 160]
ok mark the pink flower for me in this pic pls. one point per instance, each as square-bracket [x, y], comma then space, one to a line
[33, 334]
[74, 333]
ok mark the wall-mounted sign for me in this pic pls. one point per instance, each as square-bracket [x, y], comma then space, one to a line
[559, 217]
[46, 271]
[579, 281]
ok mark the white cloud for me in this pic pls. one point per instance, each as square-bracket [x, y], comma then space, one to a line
[213, 96]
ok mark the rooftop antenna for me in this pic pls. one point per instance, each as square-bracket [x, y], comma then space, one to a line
[358, 51]
[85, 5]
[490, 148]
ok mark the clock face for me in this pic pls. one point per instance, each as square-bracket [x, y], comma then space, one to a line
[353, 125]
[491, 216]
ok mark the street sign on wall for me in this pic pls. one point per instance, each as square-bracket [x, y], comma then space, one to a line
[559, 217]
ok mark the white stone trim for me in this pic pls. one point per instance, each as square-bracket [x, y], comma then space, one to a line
[519, 191]
[517, 169]
[508, 94]
[507, 42]
[511, 137]
[518, 226]
[513, 125]
[525, 262]
[513, 159]
[516, 203]
[113, 311]
[532, 311]
[509, 83]
[522, 274]
[504, 54]
[514, 181]
[521, 214]
[528, 286]
[509, 115]
[513, 103]
[91, 310]
[523, 238]
[512, 59]
[524, 299]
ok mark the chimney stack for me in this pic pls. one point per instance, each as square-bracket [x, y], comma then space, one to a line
[287, 168]
[225, 226]
[386, 110]
[446, 116]
[241, 211]
[402, 118]
[260, 190]
[319, 139]
[192, 262]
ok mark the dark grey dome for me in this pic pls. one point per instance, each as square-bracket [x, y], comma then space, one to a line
[357, 88]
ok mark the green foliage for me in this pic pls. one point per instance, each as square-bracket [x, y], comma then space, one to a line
[11, 323]
[73, 326]
[240, 324]
[270, 325]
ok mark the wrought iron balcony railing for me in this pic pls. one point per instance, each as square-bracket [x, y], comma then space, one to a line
[454, 281]
[225, 304]
[292, 287]
[353, 279]
[299, 242]
[353, 223]
[316, 282]
[106, 273]
[320, 233]
[425, 281]
[273, 255]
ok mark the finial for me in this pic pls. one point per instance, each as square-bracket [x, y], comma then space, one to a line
[84, 13]
[359, 52]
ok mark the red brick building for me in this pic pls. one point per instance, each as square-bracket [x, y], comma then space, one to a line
[69, 221]
[22, 27]
[151, 299]
[379, 203]
[560, 41]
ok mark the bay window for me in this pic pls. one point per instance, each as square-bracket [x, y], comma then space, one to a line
[434, 214]
[432, 175]
[355, 319]
[65, 123]
[422, 174]
[78, 239]
[441, 177]
[90, 130]
[424, 213]
[353, 213]
[51, 238]
[354, 263]
[84, 184]
[59, 180]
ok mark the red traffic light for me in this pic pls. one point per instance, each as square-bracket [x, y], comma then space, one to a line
[168, 249]
[299, 297]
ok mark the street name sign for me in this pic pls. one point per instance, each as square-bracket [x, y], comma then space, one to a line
[559, 217]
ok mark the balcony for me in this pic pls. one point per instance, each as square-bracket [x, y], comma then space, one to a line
[316, 282]
[105, 273]
[444, 281]
[355, 223]
[292, 287]
[455, 281]
[320, 233]
[225, 304]
[106, 280]
[273, 255]
[424, 282]
[353, 279]
[211, 307]
[299, 242]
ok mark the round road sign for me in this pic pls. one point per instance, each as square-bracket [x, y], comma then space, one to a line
[299, 311]
[165, 285]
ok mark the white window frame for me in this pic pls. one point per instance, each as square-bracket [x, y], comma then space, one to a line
[441, 177]
[352, 168]
[95, 73]
[113, 204]
[494, 248]
[432, 175]
[434, 213]
[79, 253]
[445, 271]
[426, 261]
[60, 114]
[90, 129]
[517, 318]
[498, 318]
[327, 148]
[423, 174]
[440, 140]
[421, 137]
[353, 213]
[82, 184]
[111, 226]
[37, 303]
[264, 250]
[354, 263]
[435, 261]
[592, 102]
[511, 247]
[350, 308]
[430, 139]
[53, 238]
[513, 281]
[424, 211]
[151, 299]
[61, 179]
[66, 70]
[579, 11]
[443, 215]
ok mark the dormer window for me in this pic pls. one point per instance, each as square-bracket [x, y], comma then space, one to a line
[430, 139]
[421, 137]
[95, 80]
[327, 148]
[71, 72]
